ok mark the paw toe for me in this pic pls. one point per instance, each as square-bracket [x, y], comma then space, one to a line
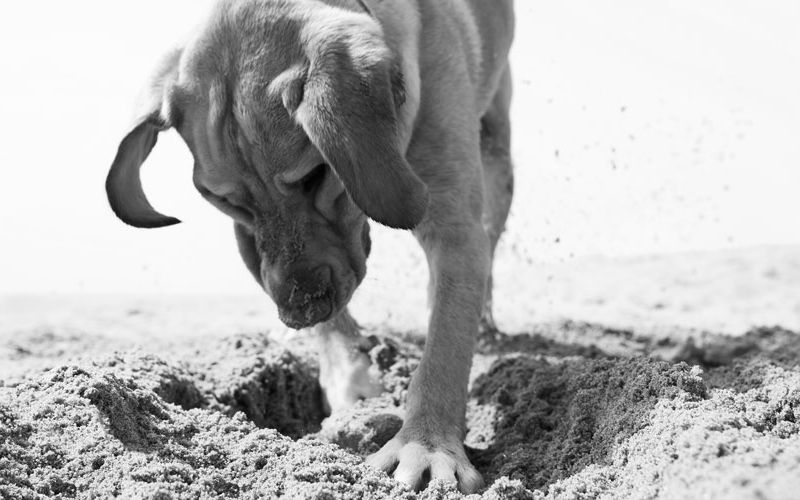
[469, 480]
[411, 461]
[443, 468]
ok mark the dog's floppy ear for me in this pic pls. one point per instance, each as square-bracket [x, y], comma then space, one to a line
[347, 107]
[123, 184]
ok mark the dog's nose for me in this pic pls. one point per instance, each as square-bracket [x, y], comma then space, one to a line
[306, 297]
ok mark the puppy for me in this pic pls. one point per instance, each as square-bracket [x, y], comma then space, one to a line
[305, 119]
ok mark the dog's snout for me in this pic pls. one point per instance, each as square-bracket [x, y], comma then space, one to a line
[306, 285]
[306, 296]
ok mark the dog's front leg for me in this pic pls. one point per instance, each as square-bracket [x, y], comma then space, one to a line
[433, 432]
[344, 363]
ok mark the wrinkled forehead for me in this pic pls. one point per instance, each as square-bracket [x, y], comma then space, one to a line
[231, 115]
[229, 82]
[232, 134]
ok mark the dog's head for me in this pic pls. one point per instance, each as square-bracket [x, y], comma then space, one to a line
[290, 111]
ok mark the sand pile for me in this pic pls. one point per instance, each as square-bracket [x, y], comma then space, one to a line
[545, 421]
[87, 431]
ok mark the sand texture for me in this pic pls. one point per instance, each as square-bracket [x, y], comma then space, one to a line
[642, 378]
[241, 418]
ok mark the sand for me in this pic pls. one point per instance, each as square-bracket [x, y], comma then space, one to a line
[645, 378]
[241, 418]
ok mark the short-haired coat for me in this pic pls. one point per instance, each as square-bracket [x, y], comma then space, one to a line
[305, 119]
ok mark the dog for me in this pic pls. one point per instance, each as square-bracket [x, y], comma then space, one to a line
[307, 118]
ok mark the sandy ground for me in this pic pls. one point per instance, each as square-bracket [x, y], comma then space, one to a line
[664, 377]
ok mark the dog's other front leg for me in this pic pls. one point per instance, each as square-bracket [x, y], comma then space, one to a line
[344, 363]
[343, 360]
[433, 432]
[498, 176]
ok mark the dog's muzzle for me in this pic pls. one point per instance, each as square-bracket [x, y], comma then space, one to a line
[305, 297]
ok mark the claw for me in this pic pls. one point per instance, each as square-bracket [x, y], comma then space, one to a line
[408, 462]
[412, 465]
[385, 459]
[444, 469]
[469, 479]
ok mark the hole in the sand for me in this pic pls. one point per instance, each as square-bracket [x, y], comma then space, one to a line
[551, 420]
[280, 392]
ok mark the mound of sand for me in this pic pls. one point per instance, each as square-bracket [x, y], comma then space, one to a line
[242, 418]
[89, 431]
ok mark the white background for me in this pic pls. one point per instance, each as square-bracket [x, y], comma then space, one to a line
[641, 127]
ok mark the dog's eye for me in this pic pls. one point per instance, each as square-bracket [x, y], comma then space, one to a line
[238, 211]
[313, 180]
[229, 206]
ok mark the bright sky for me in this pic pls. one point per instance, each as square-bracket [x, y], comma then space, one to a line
[640, 127]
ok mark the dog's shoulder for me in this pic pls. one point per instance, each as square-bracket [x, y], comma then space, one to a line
[476, 32]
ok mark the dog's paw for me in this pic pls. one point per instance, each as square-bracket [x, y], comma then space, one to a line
[346, 379]
[411, 463]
